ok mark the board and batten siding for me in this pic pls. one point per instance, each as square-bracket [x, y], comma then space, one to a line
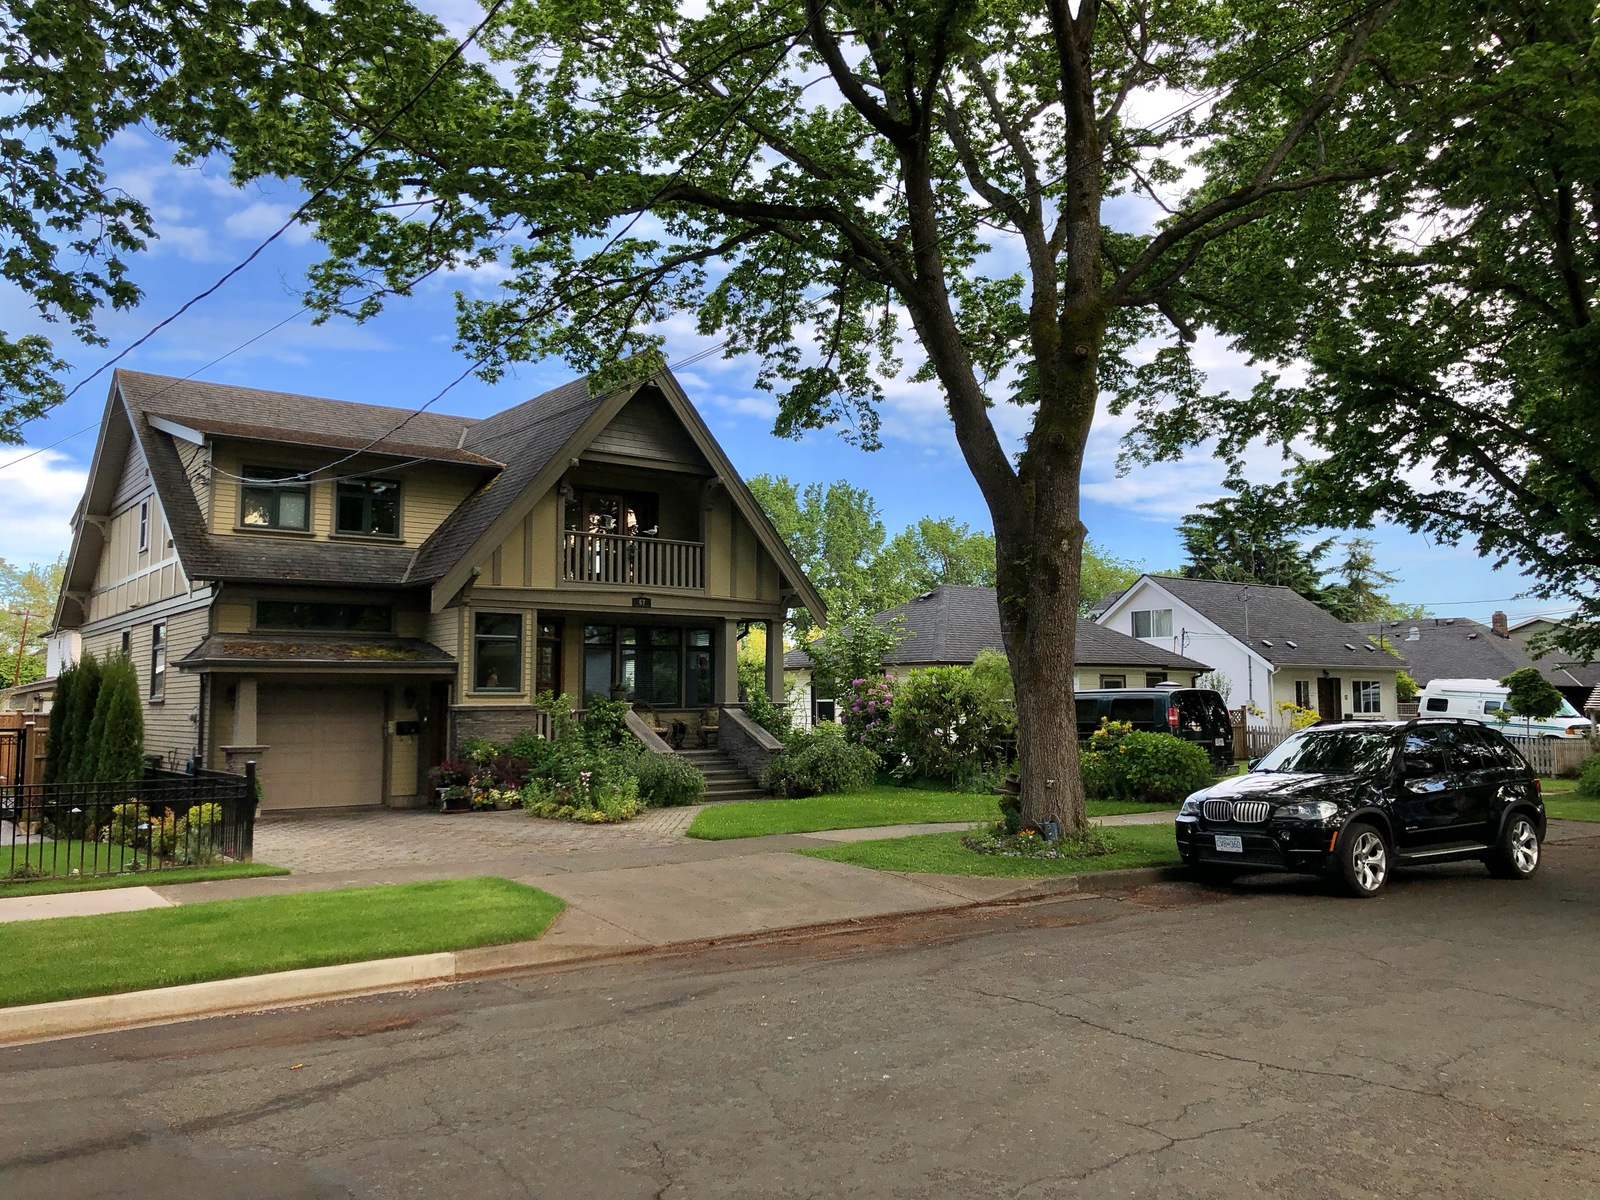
[169, 726]
[126, 576]
[647, 429]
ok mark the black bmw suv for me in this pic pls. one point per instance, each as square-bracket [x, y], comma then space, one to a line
[1356, 800]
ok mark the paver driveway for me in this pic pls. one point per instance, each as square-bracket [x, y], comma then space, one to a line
[379, 839]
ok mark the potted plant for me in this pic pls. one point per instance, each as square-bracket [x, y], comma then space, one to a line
[452, 779]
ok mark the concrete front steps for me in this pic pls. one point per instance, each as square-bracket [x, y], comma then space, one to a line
[725, 779]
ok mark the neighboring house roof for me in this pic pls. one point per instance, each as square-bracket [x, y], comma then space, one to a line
[954, 624]
[298, 650]
[523, 451]
[1448, 648]
[1284, 628]
[1107, 601]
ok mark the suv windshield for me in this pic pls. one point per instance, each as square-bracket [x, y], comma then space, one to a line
[1331, 752]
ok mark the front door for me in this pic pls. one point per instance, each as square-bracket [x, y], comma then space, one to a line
[435, 736]
[1328, 707]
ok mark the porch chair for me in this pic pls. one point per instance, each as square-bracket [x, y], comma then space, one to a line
[708, 727]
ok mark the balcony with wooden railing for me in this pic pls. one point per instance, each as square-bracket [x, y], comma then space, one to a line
[615, 560]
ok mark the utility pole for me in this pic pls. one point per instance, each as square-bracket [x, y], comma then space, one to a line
[22, 644]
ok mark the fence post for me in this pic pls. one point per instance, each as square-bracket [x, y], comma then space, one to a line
[248, 842]
[22, 754]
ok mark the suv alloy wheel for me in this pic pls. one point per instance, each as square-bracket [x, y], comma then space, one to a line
[1516, 856]
[1363, 858]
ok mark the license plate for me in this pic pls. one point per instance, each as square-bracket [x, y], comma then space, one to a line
[1233, 845]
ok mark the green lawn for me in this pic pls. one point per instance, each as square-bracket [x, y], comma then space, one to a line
[66, 854]
[1555, 786]
[862, 810]
[1571, 807]
[96, 883]
[92, 956]
[943, 853]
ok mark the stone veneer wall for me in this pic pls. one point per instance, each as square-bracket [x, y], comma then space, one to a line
[499, 723]
[746, 743]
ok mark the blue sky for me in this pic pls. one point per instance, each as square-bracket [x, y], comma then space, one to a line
[403, 357]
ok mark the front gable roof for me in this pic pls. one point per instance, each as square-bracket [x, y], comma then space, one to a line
[1276, 624]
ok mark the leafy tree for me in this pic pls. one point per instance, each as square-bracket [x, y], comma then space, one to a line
[836, 534]
[934, 551]
[1250, 537]
[1442, 319]
[852, 650]
[31, 591]
[1102, 573]
[1531, 696]
[1217, 682]
[116, 730]
[808, 225]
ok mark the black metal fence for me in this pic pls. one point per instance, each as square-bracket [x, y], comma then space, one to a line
[165, 820]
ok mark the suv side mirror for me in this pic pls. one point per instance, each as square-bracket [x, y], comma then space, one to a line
[1250, 764]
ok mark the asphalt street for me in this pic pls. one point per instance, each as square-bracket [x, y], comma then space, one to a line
[1270, 1039]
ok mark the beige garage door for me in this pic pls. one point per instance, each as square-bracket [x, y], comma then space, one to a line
[324, 746]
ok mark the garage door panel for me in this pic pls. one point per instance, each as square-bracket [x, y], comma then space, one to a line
[324, 746]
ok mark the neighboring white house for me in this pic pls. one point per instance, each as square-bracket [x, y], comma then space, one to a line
[1272, 644]
[953, 624]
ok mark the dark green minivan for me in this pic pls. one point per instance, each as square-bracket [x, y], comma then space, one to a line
[1196, 715]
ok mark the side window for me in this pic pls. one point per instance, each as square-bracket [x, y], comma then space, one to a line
[1471, 750]
[1505, 753]
[1423, 753]
[144, 525]
[1137, 710]
[1492, 707]
[1088, 712]
[1302, 694]
[1113, 681]
[158, 660]
[1438, 704]
[1152, 622]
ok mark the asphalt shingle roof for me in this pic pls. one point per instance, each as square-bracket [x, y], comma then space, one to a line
[297, 650]
[1284, 627]
[954, 624]
[1448, 648]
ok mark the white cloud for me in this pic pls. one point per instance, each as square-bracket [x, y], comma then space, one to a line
[41, 493]
[261, 219]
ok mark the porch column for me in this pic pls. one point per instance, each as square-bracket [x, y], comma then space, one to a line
[725, 689]
[245, 746]
[775, 686]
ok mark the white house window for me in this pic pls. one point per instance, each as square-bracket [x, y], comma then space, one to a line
[1113, 681]
[1366, 696]
[370, 507]
[497, 652]
[1152, 622]
[274, 498]
[144, 525]
[1302, 693]
[158, 660]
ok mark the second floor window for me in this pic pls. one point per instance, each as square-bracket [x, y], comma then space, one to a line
[1152, 622]
[370, 507]
[158, 660]
[274, 498]
[144, 525]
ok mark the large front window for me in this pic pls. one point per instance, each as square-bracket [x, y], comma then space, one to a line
[368, 507]
[497, 652]
[274, 498]
[1152, 622]
[665, 666]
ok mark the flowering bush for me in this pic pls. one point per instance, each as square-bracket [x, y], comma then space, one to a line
[1298, 718]
[589, 799]
[823, 760]
[866, 712]
[947, 727]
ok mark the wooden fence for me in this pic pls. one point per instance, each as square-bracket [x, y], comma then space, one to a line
[22, 738]
[1252, 741]
[1554, 756]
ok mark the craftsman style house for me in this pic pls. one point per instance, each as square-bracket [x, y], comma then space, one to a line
[345, 592]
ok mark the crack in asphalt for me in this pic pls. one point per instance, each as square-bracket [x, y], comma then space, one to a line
[1264, 1065]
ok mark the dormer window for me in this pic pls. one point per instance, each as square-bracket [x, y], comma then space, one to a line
[274, 498]
[368, 508]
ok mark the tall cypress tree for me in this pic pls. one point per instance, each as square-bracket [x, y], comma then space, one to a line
[77, 755]
[116, 733]
[55, 755]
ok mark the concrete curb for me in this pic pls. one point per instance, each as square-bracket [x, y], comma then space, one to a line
[31, 1023]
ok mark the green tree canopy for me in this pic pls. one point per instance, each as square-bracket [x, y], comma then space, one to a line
[1103, 573]
[820, 183]
[1253, 536]
[933, 551]
[27, 602]
[1531, 695]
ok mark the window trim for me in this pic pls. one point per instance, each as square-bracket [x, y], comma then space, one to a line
[520, 639]
[1357, 688]
[277, 485]
[1114, 682]
[158, 662]
[144, 525]
[1309, 688]
[399, 534]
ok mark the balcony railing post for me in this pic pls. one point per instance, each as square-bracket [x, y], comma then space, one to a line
[617, 559]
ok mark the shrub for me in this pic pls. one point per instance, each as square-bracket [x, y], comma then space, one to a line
[1298, 718]
[55, 755]
[867, 714]
[590, 800]
[538, 752]
[123, 828]
[1154, 768]
[605, 723]
[823, 760]
[77, 754]
[479, 750]
[667, 780]
[115, 751]
[945, 726]
[1589, 777]
[758, 706]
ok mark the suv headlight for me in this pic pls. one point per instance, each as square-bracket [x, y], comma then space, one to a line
[1311, 810]
[1191, 807]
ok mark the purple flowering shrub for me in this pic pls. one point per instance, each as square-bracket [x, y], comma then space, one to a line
[866, 712]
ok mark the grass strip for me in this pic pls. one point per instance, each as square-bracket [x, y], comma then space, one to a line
[64, 957]
[943, 854]
[862, 810]
[99, 883]
[1571, 807]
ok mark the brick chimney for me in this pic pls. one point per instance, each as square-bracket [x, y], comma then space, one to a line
[1497, 624]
